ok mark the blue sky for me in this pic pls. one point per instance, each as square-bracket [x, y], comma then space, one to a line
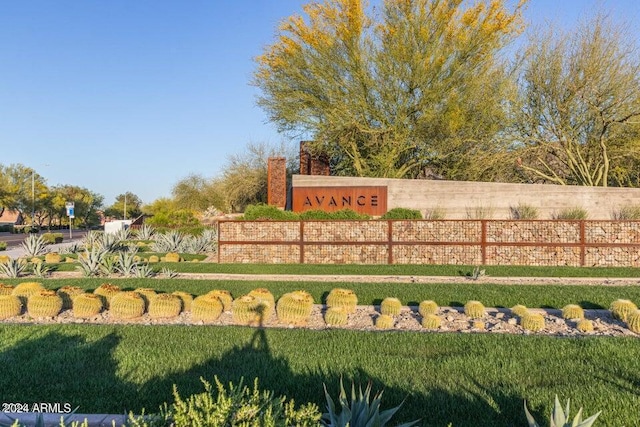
[133, 95]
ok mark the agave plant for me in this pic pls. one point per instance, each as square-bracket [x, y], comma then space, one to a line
[123, 234]
[91, 239]
[109, 265]
[143, 271]
[207, 242]
[34, 245]
[126, 264]
[13, 268]
[41, 270]
[70, 249]
[169, 273]
[560, 418]
[171, 241]
[360, 411]
[146, 232]
[91, 262]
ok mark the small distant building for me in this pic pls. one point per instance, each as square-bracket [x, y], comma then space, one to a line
[112, 227]
[10, 217]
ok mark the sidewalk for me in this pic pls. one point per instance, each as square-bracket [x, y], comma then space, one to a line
[15, 252]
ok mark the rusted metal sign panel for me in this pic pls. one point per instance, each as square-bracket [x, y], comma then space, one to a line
[369, 200]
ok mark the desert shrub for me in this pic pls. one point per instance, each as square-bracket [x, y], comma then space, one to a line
[51, 238]
[314, 214]
[480, 212]
[575, 213]
[523, 211]
[434, 214]
[265, 212]
[348, 214]
[629, 212]
[3, 246]
[402, 213]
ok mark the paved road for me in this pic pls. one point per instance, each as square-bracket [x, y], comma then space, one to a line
[14, 240]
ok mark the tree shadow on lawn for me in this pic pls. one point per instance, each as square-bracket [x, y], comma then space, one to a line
[51, 367]
[256, 359]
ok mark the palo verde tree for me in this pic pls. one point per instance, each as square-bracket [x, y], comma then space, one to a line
[415, 86]
[127, 201]
[579, 117]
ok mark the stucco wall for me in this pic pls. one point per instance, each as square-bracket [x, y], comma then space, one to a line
[460, 199]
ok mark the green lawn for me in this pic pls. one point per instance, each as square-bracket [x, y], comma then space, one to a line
[402, 270]
[467, 379]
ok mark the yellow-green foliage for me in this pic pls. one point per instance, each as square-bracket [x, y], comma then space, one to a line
[585, 325]
[87, 305]
[107, 291]
[622, 308]
[390, 306]
[52, 258]
[6, 289]
[474, 309]
[45, 303]
[266, 299]
[633, 321]
[532, 321]
[336, 316]
[431, 321]
[344, 298]
[147, 295]
[186, 299]
[572, 311]
[519, 310]
[384, 321]
[10, 306]
[206, 308]
[225, 297]
[126, 305]
[427, 307]
[295, 307]
[153, 259]
[478, 324]
[164, 306]
[172, 257]
[68, 293]
[247, 310]
[26, 289]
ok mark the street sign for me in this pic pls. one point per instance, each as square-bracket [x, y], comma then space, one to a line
[70, 209]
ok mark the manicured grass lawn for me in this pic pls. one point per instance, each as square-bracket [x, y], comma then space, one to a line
[448, 294]
[402, 270]
[466, 379]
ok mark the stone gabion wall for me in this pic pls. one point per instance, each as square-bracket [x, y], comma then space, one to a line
[508, 242]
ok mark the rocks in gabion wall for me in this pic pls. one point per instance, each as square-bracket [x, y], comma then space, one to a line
[507, 242]
[533, 231]
[346, 231]
[436, 231]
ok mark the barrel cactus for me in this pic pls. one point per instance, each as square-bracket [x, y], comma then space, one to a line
[295, 307]
[52, 258]
[247, 310]
[427, 307]
[172, 257]
[572, 311]
[206, 308]
[107, 291]
[224, 296]
[585, 325]
[390, 306]
[345, 298]
[45, 303]
[26, 289]
[10, 306]
[164, 306]
[384, 321]
[147, 295]
[633, 321]
[622, 308]
[336, 316]
[519, 310]
[126, 305]
[87, 305]
[431, 321]
[154, 259]
[186, 299]
[532, 322]
[474, 309]
[68, 293]
[4, 259]
[6, 289]
[266, 299]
